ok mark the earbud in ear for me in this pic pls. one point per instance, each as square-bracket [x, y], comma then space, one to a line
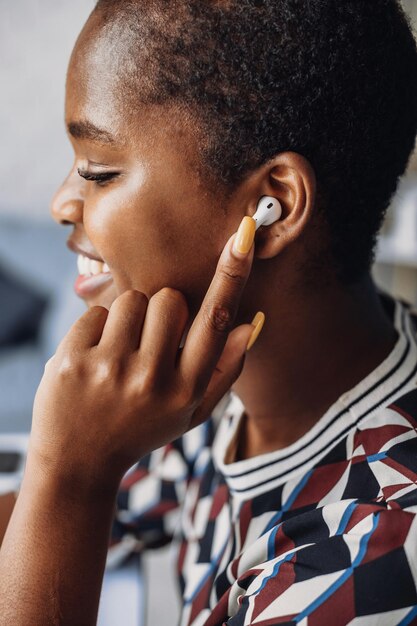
[268, 211]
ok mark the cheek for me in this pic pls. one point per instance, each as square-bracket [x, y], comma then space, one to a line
[151, 241]
[146, 244]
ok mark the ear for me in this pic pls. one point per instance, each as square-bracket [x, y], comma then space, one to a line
[290, 178]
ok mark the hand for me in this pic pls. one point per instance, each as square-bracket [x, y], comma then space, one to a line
[119, 387]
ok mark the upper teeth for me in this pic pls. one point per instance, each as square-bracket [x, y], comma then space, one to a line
[89, 266]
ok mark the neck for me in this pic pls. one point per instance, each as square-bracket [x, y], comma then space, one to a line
[308, 354]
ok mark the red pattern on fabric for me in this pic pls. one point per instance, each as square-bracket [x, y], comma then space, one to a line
[360, 512]
[390, 533]
[282, 544]
[235, 567]
[401, 469]
[320, 483]
[275, 587]
[338, 609]
[201, 600]
[181, 556]
[373, 439]
[130, 479]
[410, 418]
[220, 499]
[274, 621]
[161, 509]
[245, 517]
[219, 611]
[390, 491]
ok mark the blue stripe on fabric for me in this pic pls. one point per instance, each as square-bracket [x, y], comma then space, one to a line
[213, 564]
[346, 517]
[293, 495]
[271, 542]
[274, 572]
[364, 542]
[407, 619]
[285, 507]
[342, 579]
[376, 457]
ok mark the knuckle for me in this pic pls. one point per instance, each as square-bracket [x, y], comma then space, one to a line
[106, 371]
[148, 383]
[97, 311]
[219, 318]
[170, 295]
[231, 274]
[49, 363]
[131, 297]
[69, 366]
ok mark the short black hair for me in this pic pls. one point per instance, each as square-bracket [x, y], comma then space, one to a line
[333, 81]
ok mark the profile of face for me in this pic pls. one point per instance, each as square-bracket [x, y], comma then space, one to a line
[145, 213]
[67, 208]
[142, 205]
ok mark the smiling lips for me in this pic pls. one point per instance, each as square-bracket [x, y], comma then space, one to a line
[93, 272]
[93, 275]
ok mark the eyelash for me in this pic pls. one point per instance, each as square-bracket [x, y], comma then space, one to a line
[100, 178]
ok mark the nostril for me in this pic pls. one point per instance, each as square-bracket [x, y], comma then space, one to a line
[67, 212]
[69, 208]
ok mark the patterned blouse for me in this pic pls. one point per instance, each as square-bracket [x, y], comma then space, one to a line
[323, 532]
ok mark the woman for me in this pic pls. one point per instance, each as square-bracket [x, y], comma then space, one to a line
[299, 506]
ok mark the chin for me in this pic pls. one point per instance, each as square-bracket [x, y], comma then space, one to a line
[105, 298]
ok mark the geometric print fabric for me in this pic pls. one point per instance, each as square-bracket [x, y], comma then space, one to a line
[322, 534]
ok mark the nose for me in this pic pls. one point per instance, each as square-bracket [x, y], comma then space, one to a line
[68, 202]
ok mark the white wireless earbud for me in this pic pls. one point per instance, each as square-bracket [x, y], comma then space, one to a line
[268, 211]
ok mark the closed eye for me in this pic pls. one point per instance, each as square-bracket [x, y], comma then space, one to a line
[101, 178]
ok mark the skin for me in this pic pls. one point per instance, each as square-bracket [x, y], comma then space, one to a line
[118, 385]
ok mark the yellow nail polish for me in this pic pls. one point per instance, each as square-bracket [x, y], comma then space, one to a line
[258, 322]
[245, 235]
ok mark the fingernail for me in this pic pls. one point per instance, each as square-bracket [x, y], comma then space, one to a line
[245, 236]
[258, 322]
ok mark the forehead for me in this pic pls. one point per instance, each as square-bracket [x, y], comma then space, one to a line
[93, 93]
[101, 95]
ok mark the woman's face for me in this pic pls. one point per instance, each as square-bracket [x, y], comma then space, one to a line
[145, 210]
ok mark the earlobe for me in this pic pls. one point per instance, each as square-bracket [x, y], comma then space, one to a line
[291, 180]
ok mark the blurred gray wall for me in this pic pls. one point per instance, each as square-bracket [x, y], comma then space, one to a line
[36, 39]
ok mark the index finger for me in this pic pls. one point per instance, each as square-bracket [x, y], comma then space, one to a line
[208, 334]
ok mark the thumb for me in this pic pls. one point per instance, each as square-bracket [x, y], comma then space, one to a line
[227, 370]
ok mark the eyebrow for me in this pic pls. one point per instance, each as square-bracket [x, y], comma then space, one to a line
[87, 130]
